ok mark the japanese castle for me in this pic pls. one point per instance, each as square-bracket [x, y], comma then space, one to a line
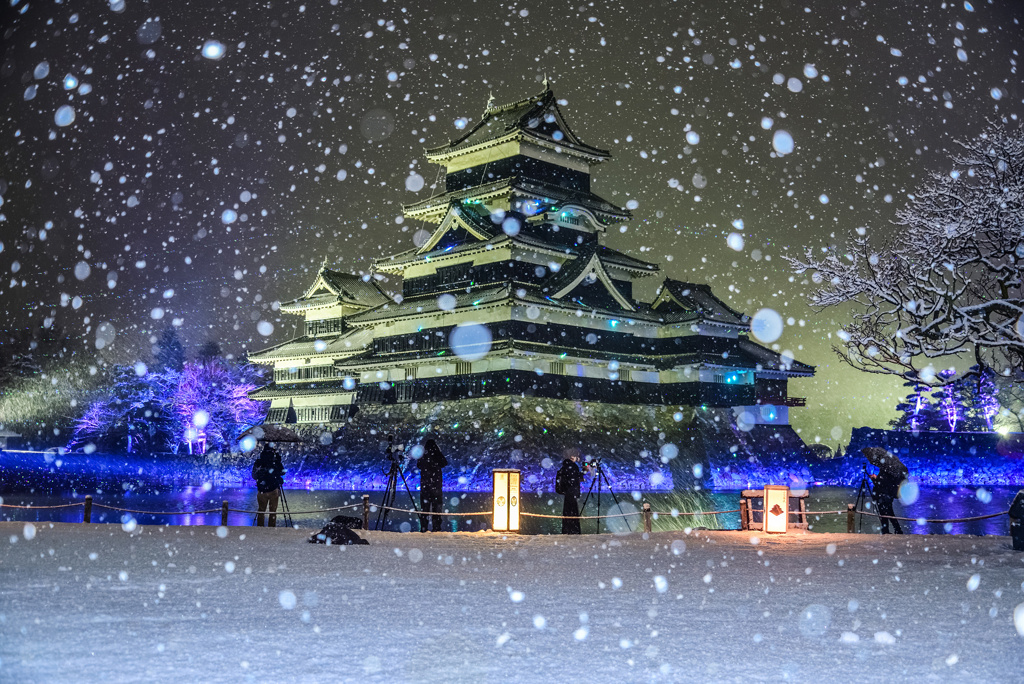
[515, 296]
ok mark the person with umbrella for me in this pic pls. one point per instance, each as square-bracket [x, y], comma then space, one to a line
[891, 474]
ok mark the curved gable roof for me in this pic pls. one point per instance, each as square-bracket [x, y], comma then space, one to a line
[538, 116]
[698, 297]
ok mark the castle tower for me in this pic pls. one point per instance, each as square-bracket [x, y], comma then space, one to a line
[515, 296]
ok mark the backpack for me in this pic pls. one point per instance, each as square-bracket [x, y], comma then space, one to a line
[560, 482]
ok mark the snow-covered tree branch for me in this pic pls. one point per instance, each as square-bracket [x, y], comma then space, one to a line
[947, 281]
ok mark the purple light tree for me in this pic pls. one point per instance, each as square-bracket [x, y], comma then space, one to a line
[204, 404]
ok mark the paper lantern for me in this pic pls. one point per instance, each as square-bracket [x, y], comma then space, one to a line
[506, 500]
[776, 509]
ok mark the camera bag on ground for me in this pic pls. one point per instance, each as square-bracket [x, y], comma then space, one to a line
[339, 531]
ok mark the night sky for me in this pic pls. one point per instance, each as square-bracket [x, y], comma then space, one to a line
[198, 192]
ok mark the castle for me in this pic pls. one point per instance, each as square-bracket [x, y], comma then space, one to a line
[513, 304]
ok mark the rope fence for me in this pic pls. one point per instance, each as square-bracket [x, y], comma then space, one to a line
[367, 507]
[290, 512]
[935, 520]
[71, 505]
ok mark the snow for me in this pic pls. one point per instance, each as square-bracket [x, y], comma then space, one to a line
[99, 603]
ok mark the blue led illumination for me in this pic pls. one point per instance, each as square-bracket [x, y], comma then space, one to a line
[933, 459]
[359, 473]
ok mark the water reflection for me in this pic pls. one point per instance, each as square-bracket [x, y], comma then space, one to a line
[178, 506]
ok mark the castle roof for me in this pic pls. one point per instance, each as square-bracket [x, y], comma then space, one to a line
[537, 118]
[310, 346]
[681, 295]
[531, 188]
[334, 287]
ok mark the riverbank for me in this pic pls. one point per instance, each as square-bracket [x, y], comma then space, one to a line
[146, 603]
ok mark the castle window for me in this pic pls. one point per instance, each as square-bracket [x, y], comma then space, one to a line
[325, 327]
[313, 414]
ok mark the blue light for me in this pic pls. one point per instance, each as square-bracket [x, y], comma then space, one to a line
[70, 82]
[613, 323]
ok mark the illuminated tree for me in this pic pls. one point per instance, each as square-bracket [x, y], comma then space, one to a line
[918, 411]
[131, 415]
[966, 404]
[210, 404]
[205, 405]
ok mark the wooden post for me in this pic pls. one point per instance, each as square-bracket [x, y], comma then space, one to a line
[87, 512]
[850, 516]
[647, 518]
[744, 507]
[366, 511]
[224, 514]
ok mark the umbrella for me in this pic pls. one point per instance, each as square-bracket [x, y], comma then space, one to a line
[875, 455]
[886, 460]
[272, 433]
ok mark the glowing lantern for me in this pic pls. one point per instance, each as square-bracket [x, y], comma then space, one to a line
[506, 500]
[776, 508]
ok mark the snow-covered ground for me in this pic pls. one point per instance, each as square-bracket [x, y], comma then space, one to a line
[99, 603]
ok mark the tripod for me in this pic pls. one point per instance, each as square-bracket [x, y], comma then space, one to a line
[864, 494]
[599, 479]
[286, 514]
[391, 489]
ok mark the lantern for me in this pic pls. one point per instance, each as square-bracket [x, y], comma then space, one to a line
[506, 500]
[776, 508]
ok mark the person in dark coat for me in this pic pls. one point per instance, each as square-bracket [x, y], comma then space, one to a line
[891, 474]
[269, 475]
[567, 483]
[431, 483]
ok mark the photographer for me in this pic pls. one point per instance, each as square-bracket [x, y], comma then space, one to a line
[431, 480]
[891, 474]
[269, 475]
[567, 483]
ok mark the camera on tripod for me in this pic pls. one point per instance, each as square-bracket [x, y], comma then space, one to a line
[592, 462]
[393, 449]
[394, 472]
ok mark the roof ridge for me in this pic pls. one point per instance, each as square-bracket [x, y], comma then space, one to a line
[518, 103]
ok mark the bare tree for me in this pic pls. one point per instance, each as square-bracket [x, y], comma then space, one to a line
[947, 281]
